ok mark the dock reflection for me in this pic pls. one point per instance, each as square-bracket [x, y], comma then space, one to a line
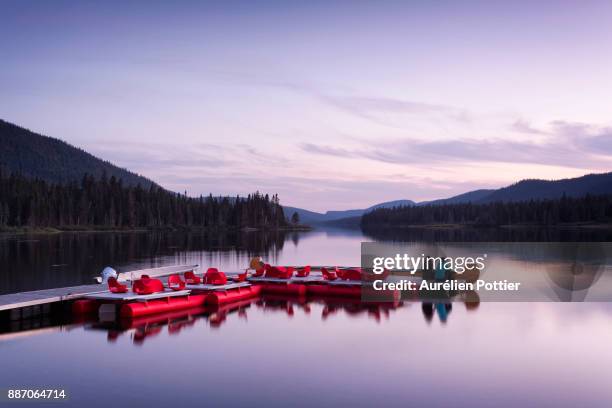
[328, 309]
[142, 329]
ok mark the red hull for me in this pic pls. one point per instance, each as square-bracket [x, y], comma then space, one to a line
[136, 309]
[161, 318]
[289, 289]
[234, 295]
[170, 304]
[85, 306]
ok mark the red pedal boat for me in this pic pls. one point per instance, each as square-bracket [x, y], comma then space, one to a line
[146, 286]
[279, 272]
[192, 279]
[175, 282]
[115, 287]
[214, 277]
[303, 272]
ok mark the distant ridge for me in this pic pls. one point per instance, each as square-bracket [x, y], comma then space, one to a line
[53, 160]
[533, 189]
[472, 196]
[312, 217]
[525, 190]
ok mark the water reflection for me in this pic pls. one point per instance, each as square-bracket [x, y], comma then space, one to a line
[511, 234]
[173, 323]
[327, 352]
[293, 352]
[544, 271]
[31, 262]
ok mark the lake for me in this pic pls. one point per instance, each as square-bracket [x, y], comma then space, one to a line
[287, 352]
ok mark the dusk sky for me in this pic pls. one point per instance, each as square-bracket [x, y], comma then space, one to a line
[330, 105]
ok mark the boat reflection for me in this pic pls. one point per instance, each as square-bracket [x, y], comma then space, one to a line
[327, 309]
[214, 318]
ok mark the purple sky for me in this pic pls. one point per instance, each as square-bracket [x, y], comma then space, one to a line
[330, 105]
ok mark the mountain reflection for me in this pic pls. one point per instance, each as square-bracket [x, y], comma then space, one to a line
[32, 262]
[486, 234]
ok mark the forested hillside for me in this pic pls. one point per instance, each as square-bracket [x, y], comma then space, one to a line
[36, 156]
[534, 189]
[594, 184]
[587, 209]
[108, 203]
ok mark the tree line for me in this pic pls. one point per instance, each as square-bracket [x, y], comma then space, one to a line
[106, 202]
[590, 208]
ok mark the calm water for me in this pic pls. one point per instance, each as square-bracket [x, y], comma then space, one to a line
[281, 352]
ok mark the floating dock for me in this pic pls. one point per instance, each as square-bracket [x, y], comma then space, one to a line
[26, 304]
[96, 298]
[45, 296]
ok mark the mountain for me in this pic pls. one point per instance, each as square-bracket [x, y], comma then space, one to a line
[306, 217]
[596, 184]
[472, 196]
[534, 189]
[525, 190]
[37, 156]
[311, 217]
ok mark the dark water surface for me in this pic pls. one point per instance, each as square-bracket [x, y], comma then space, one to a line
[285, 352]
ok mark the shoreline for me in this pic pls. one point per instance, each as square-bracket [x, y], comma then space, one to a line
[507, 226]
[92, 229]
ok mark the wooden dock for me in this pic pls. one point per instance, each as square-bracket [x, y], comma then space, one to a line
[37, 298]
